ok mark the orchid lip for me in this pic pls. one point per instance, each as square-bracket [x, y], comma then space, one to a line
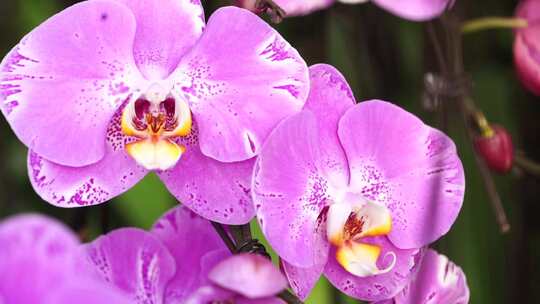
[348, 224]
[156, 119]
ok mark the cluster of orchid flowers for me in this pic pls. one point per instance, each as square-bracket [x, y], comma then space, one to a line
[236, 125]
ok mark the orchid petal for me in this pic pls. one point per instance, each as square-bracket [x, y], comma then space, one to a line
[412, 169]
[415, 10]
[70, 187]
[37, 255]
[302, 280]
[166, 30]
[195, 247]
[376, 287]
[250, 275]
[438, 281]
[241, 87]
[301, 162]
[134, 261]
[62, 84]
[290, 194]
[216, 191]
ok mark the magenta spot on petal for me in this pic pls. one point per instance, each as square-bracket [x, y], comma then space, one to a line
[252, 145]
[16, 60]
[10, 106]
[292, 89]
[277, 50]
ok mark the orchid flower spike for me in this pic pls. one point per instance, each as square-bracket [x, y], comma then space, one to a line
[414, 10]
[438, 281]
[354, 191]
[181, 260]
[108, 90]
[38, 264]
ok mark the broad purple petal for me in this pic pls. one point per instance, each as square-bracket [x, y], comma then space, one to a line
[416, 10]
[37, 255]
[195, 247]
[412, 168]
[241, 79]
[289, 191]
[166, 30]
[250, 275]
[438, 281]
[61, 85]
[70, 187]
[215, 190]
[134, 261]
[377, 287]
[302, 280]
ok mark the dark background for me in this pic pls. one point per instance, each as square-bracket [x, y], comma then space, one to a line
[383, 57]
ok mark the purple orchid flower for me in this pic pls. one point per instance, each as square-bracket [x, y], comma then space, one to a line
[527, 46]
[181, 260]
[415, 10]
[438, 281]
[354, 191]
[108, 90]
[38, 265]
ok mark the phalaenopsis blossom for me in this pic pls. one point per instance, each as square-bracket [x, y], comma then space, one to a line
[415, 10]
[39, 264]
[527, 45]
[108, 90]
[354, 191]
[438, 280]
[181, 260]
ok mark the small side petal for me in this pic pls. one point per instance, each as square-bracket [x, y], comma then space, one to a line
[134, 261]
[214, 190]
[62, 84]
[241, 79]
[438, 281]
[290, 192]
[166, 30]
[376, 287]
[250, 275]
[195, 247]
[415, 10]
[302, 280]
[413, 169]
[69, 187]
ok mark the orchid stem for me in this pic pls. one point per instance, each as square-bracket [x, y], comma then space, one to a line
[224, 236]
[488, 23]
[452, 67]
[526, 164]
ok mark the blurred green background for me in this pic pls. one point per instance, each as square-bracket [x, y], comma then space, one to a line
[382, 57]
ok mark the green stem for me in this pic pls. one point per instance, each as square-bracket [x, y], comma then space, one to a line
[488, 23]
